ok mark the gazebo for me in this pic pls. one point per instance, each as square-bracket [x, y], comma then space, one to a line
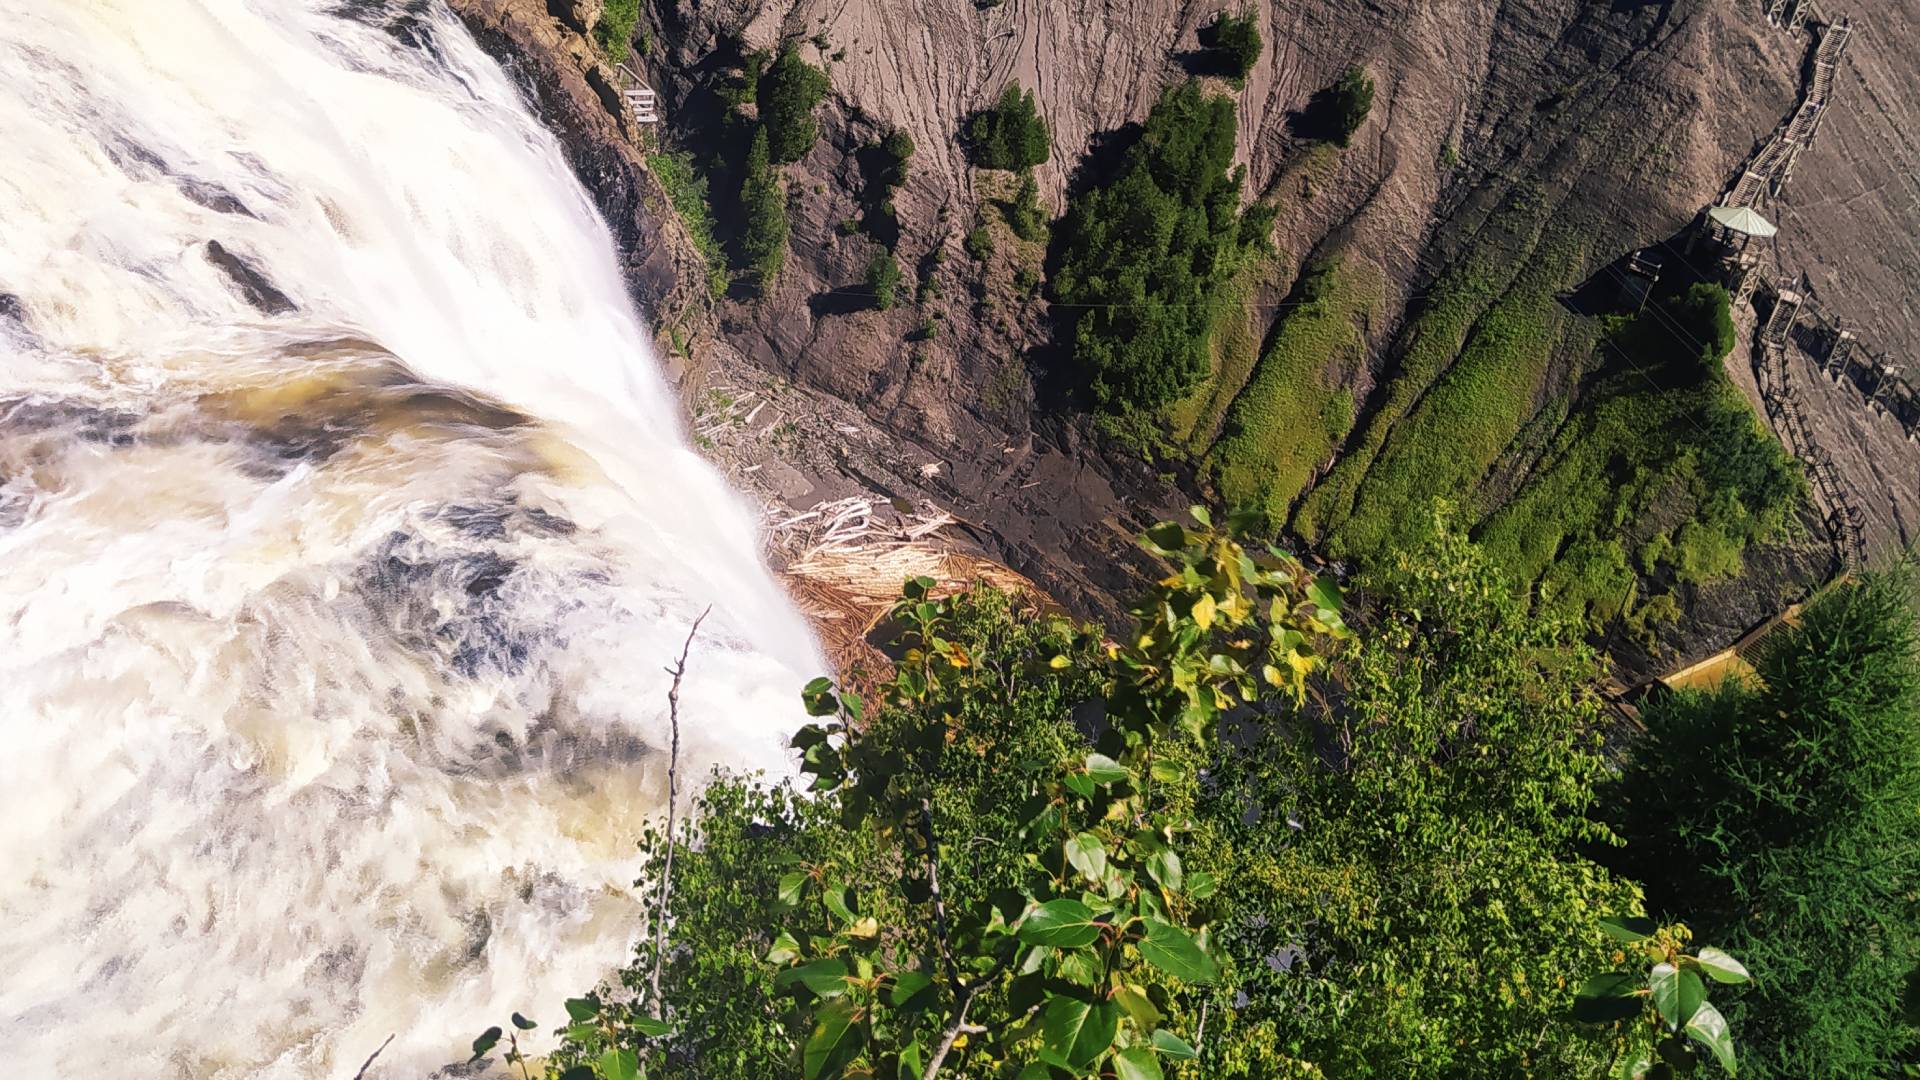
[1737, 226]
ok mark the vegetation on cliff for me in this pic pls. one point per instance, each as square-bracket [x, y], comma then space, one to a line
[1235, 40]
[1246, 841]
[1142, 257]
[1780, 816]
[787, 94]
[1010, 135]
[763, 208]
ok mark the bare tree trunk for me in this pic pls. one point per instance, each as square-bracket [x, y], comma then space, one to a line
[678, 670]
[368, 1064]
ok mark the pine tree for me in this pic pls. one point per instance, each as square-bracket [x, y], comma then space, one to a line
[1782, 820]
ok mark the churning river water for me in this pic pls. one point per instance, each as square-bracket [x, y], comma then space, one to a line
[345, 529]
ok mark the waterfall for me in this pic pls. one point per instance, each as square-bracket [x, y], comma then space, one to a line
[345, 528]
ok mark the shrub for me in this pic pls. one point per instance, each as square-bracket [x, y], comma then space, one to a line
[1337, 112]
[1402, 894]
[898, 147]
[979, 243]
[1778, 818]
[614, 32]
[1145, 258]
[787, 95]
[1011, 134]
[687, 191]
[1025, 216]
[763, 207]
[883, 277]
[1236, 40]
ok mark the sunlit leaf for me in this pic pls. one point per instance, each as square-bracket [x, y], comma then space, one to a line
[1709, 1029]
[1088, 855]
[1079, 1031]
[833, 1041]
[1136, 1063]
[1174, 951]
[1166, 1042]
[1063, 923]
[1722, 968]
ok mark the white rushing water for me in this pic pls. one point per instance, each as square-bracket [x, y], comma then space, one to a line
[331, 636]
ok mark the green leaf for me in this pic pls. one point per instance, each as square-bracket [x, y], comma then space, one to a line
[1174, 951]
[617, 1064]
[1676, 993]
[1088, 855]
[1606, 998]
[1077, 966]
[582, 1009]
[651, 1028]
[1201, 515]
[826, 977]
[1063, 924]
[1164, 866]
[1166, 538]
[1105, 770]
[1709, 1029]
[1166, 770]
[1722, 968]
[1633, 1066]
[1139, 1008]
[1325, 593]
[855, 704]
[1628, 928]
[523, 1023]
[1137, 1063]
[1166, 1042]
[1079, 783]
[1200, 885]
[834, 899]
[1034, 1071]
[912, 1065]
[910, 990]
[485, 1043]
[792, 887]
[833, 1043]
[1079, 1031]
[785, 949]
[818, 697]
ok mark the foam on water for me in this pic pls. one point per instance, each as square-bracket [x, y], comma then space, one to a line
[338, 562]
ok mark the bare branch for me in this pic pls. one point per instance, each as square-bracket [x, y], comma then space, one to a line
[678, 670]
[368, 1064]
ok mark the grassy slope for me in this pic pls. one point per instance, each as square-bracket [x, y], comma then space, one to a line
[1459, 428]
[1297, 407]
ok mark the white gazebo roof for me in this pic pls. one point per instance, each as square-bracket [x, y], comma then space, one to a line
[1743, 219]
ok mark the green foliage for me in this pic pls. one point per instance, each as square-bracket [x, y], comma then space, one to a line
[1403, 893]
[1779, 819]
[1025, 216]
[614, 32]
[1085, 918]
[979, 243]
[898, 147]
[1295, 408]
[1236, 38]
[1663, 1025]
[1144, 258]
[1458, 428]
[763, 207]
[787, 95]
[883, 277]
[1667, 429]
[687, 190]
[1010, 135]
[1337, 112]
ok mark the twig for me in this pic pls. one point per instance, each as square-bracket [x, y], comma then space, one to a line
[368, 1064]
[678, 670]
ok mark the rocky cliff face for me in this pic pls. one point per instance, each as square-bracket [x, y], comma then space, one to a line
[1546, 139]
